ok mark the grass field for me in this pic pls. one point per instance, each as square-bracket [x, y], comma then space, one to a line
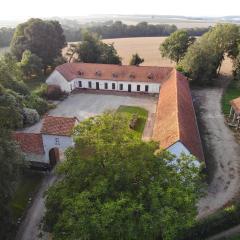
[27, 186]
[141, 113]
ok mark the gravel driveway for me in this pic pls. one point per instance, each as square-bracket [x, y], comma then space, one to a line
[221, 150]
[85, 105]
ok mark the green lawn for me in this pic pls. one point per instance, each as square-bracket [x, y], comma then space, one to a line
[140, 112]
[235, 238]
[233, 91]
[29, 183]
[35, 83]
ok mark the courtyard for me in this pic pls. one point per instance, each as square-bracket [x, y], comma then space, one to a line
[85, 105]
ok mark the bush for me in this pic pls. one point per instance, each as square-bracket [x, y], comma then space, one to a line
[30, 116]
[54, 92]
[41, 91]
[17, 86]
[216, 223]
[35, 102]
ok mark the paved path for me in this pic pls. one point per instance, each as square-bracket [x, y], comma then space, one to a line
[221, 150]
[29, 228]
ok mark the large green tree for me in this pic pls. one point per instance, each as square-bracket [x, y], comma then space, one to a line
[114, 186]
[11, 162]
[43, 38]
[176, 45]
[31, 65]
[204, 58]
[93, 50]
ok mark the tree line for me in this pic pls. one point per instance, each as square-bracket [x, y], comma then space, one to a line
[120, 30]
[109, 29]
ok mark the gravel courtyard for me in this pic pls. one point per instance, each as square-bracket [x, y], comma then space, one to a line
[85, 105]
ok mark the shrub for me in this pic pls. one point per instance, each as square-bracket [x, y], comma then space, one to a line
[35, 102]
[30, 116]
[41, 91]
[218, 222]
[54, 92]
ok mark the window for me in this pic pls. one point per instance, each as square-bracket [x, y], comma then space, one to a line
[79, 83]
[57, 142]
[89, 84]
[120, 86]
[146, 88]
[71, 87]
[106, 85]
[138, 88]
[113, 86]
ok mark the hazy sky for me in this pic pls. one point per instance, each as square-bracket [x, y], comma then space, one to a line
[47, 8]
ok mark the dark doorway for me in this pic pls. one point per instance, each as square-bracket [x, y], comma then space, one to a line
[97, 85]
[146, 88]
[129, 87]
[54, 157]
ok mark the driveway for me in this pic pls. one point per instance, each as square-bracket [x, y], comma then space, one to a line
[29, 228]
[222, 152]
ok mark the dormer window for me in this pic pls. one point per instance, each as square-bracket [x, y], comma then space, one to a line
[132, 75]
[80, 73]
[150, 76]
[98, 73]
[115, 75]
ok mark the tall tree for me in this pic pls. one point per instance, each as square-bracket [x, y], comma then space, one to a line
[176, 45]
[204, 58]
[93, 50]
[136, 60]
[31, 65]
[11, 162]
[114, 186]
[43, 38]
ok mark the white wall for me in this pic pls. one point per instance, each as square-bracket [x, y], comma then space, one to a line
[49, 142]
[153, 87]
[56, 78]
[178, 148]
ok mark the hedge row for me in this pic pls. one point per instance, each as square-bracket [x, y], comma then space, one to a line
[214, 224]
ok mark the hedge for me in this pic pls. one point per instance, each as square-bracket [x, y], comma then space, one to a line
[214, 224]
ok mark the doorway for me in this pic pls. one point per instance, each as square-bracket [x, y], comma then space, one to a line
[129, 87]
[97, 85]
[54, 157]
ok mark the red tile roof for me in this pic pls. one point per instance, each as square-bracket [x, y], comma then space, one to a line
[235, 103]
[61, 126]
[71, 71]
[175, 117]
[29, 142]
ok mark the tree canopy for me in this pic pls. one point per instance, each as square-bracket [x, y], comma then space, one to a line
[114, 186]
[136, 60]
[31, 65]
[176, 45]
[204, 58]
[93, 50]
[43, 38]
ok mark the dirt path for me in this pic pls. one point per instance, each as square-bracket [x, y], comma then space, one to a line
[29, 229]
[221, 150]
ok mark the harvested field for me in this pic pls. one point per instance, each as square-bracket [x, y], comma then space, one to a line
[146, 47]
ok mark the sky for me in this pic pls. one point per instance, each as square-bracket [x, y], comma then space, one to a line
[23, 9]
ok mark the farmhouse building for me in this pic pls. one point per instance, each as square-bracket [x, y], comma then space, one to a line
[47, 147]
[175, 124]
